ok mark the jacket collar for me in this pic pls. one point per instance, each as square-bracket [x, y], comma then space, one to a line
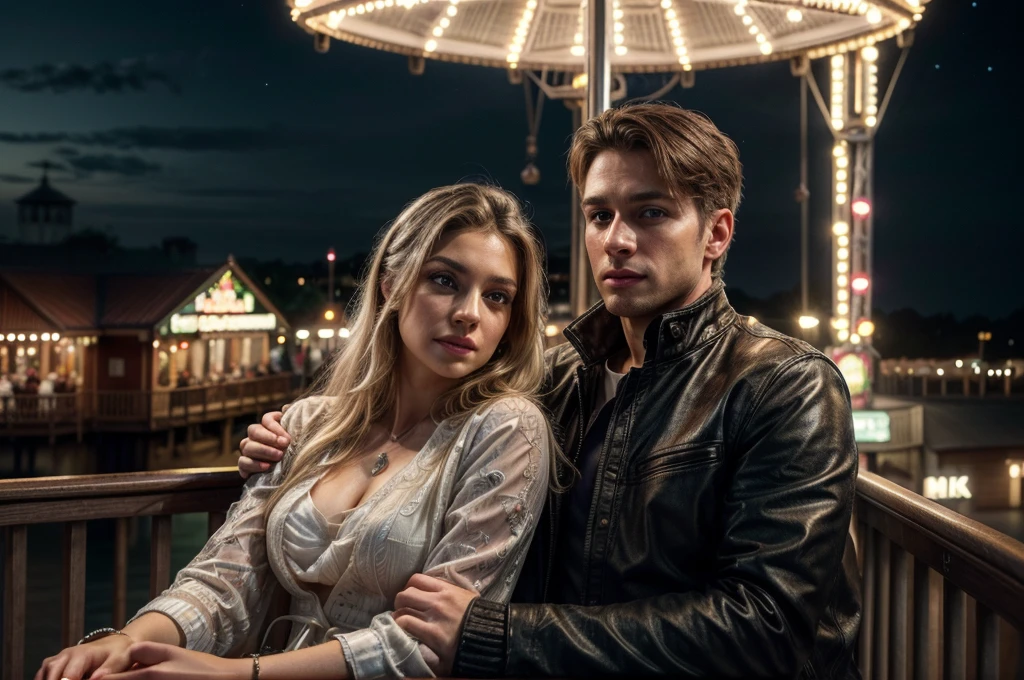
[597, 334]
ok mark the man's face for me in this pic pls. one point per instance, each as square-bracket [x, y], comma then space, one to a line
[649, 251]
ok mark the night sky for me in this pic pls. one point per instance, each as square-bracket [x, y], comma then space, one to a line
[218, 121]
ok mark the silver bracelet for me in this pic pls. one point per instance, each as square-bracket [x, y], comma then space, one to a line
[100, 633]
[255, 666]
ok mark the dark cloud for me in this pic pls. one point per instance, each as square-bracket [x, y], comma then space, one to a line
[126, 166]
[134, 75]
[16, 179]
[172, 139]
[47, 165]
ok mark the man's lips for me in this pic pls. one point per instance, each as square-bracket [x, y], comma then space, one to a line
[622, 278]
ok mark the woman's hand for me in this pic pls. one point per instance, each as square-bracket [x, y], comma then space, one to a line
[106, 655]
[166, 662]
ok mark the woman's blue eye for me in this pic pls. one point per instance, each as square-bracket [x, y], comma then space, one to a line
[500, 298]
[443, 280]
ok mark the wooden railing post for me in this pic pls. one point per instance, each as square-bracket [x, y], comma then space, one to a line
[160, 555]
[868, 600]
[954, 633]
[900, 613]
[987, 628]
[74, 583]
[120, 572]
[15, 571]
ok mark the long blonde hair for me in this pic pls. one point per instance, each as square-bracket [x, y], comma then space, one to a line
[364, 375]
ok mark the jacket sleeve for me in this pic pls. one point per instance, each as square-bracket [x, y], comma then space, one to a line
[499, 493]
[785, 520]
[220, 598]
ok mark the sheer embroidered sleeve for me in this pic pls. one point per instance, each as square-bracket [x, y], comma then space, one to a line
[220, 598]
[494, 504]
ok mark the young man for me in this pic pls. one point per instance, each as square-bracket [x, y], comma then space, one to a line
[707, 531]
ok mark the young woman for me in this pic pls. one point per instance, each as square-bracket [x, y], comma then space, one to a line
[422, 453]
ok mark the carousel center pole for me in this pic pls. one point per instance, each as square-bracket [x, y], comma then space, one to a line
[582, 292]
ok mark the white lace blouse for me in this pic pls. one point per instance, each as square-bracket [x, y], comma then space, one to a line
[464, 509]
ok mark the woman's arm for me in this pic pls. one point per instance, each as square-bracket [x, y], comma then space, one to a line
[500, 489]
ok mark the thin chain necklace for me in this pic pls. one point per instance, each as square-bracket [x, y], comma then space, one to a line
[382, 458]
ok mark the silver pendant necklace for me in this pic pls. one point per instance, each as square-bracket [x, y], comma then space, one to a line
[382, 458]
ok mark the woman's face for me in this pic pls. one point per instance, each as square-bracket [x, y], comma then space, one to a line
[460, 305]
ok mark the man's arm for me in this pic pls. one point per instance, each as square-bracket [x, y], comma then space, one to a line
[785, 522]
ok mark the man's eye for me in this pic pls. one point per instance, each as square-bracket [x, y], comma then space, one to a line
[653, 213]
[600, 216]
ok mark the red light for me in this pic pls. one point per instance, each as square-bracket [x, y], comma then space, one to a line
[859, 283]
[184, 344]
[861, 207]
[330, 255]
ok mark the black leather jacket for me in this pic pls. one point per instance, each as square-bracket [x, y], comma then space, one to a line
[718, 541]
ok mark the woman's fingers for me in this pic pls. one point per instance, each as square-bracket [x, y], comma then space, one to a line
[247, 466]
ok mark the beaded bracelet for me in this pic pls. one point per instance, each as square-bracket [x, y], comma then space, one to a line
[255, 666]
[100, 633]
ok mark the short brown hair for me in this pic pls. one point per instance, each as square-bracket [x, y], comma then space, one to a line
[694, 156]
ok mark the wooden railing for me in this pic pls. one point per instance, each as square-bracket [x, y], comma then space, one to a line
[33, 414]
[926, 568]
[943, 595]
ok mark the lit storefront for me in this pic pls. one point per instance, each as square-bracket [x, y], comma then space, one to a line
[227, 331]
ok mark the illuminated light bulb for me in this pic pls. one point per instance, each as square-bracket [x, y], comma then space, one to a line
[874, 16]
[671, 13]
[838, 150]
[860, 283]
[841, 281]
[794, 15]
[808, 322]
[918, 17]
[21, 337]
[33, 337]
[281, 339]
[747, 19]
[841, 199]
[869, 53]
[360, 9]
[841, 324]
[452, 10]
[959, 363]
[1015, 471]
[843, 241]
[438, 32]
[843, 335]
[842, 295]
[904, 24]
[174, 349]
[865, 328]
[10, 337]
[760, 38]
[999, 373]
[303, 3]
[620, 50]
[840, 228]
[740, 11]
[156, 343]
[430, 46]
[842, 308]
[843, 254]
[766, 48]
[618, 39]
[842, 162]
[837, 74]
[855, 339]
[666, 4]
[551, 330]
[577, 50]
[841, 175]
[871, 121]
[445, 22]
[618, 14]
[753, 29]
[841, 187]
[939, 372]
[837, 61]
[302, 334]
[990, 371]
[842, 267]
[45, 337]
[861, 207]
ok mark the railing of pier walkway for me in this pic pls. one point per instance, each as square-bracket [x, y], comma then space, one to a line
[943, 595]
[926, 568]
[42, 414]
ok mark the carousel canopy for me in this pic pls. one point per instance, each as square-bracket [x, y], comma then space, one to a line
[648, 35]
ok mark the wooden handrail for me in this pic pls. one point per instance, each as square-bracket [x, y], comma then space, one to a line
[922, 565]
[996, 556]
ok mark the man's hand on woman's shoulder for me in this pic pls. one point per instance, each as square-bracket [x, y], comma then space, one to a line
[265, 445]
